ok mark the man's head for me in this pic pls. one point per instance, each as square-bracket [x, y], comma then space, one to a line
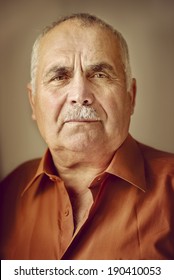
[82, 93]
[86, 20]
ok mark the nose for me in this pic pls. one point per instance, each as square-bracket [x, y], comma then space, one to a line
[80, 92]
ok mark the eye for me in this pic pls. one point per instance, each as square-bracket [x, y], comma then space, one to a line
[59, 78]
[99, 75]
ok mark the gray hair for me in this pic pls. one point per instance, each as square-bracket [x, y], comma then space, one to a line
[86, 20]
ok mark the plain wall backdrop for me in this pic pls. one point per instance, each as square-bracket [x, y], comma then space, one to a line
[148, 27]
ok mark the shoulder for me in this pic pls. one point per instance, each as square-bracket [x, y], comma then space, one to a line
[156, 154]
[157, 161]
[20, 176]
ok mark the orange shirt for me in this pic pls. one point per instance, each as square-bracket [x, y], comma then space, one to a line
[132, 216]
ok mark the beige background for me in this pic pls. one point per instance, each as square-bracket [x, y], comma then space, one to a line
[148, 27]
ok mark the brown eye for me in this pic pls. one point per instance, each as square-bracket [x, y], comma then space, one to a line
[59, 78]
[99, 75]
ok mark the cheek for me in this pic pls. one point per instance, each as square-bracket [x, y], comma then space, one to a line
[118, 110]
[48, 109]
[47, 113]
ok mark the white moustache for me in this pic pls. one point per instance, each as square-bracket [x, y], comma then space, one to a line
[80, 113]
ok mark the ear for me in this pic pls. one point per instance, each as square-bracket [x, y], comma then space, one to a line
[132, 92]
[31, 98]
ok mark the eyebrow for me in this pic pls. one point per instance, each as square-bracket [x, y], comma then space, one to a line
[99, 67]
[57, 69]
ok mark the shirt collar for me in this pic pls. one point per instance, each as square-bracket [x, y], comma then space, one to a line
[46, 166]
[128, 164]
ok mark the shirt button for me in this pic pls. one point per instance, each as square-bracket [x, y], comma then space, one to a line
[52, 179]
[67, 212]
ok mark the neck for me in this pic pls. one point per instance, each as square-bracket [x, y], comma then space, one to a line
[77, 170]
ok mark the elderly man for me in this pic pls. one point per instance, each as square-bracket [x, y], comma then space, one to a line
[97, 193]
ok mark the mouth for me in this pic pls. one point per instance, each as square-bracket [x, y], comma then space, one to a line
[82, 121]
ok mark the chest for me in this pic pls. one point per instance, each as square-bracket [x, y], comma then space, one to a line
[122, 223]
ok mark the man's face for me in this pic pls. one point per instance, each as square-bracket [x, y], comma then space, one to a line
[81, 102]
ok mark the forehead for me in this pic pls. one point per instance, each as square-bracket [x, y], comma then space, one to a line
[72, 38]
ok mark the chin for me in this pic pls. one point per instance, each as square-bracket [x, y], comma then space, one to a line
[78, 142]
[80, 145]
